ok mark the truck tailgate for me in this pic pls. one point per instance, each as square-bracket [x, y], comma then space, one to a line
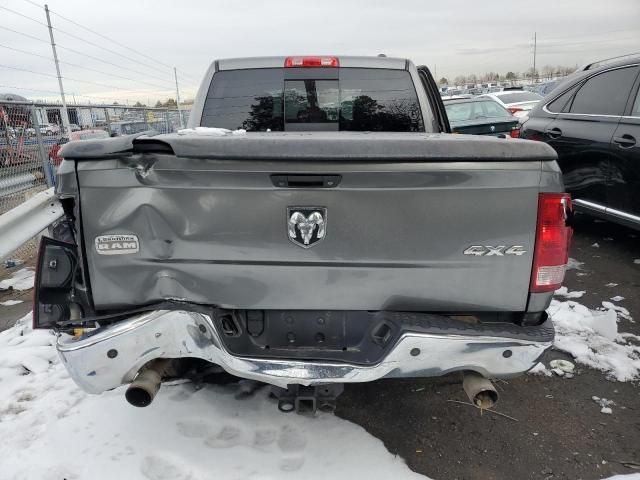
[215, 231]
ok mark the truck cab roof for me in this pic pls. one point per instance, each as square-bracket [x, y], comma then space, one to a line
[343, 61]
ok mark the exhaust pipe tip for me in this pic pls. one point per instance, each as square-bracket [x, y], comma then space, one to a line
[479, 390]
[144, 388]
[139, 397]
[485, 399]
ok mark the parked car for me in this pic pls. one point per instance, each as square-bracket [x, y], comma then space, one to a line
[472, 91]
[518, 102]
[592, 119]
[49, 129]
[546, 88]
[7, 132]
[481, 116]
[452, 92]
[74, 128]
[344, 237]
[77, 135]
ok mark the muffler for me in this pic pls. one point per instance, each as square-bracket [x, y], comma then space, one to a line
[146, 384]
[480, 390]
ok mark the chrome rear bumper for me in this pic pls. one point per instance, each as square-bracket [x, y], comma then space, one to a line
[112, 355]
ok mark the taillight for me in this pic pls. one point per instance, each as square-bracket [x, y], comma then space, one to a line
[53, 283]
[515, 132]
[553, 235]
[513, 110]
[311, 62]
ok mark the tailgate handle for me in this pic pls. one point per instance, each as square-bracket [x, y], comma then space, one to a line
[305, 181]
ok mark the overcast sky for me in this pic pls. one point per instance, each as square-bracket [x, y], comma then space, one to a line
[452, 38]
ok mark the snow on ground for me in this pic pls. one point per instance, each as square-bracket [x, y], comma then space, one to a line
[20, 280]
[564, 292]
[10, 303]
[50, 429]
[620, 311]
[210, 131]
[592, 338]
[574, 264]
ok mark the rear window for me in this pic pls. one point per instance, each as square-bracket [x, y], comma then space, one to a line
[515, 97]
[463, 111]
[347, 99]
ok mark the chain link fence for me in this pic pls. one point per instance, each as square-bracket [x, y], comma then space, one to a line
[32, 133]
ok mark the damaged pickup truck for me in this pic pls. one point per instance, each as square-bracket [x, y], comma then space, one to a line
[334, 233]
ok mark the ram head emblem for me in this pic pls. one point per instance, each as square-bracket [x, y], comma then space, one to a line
[306, 225]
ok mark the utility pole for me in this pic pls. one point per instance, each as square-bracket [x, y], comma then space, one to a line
[65, 113]
[175, 74]
[535, 45]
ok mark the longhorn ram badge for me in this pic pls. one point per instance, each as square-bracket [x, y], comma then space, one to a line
[306, 225]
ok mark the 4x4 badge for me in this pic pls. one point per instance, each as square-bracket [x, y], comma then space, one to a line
[306, 225]
[491, 251]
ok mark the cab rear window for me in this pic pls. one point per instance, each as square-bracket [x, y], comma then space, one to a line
[346, 99]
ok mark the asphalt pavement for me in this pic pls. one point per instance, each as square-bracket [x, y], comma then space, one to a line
[556, 432]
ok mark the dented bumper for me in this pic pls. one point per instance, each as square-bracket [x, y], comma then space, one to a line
[111, 356]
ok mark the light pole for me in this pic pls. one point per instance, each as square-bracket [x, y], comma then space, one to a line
[65, 113]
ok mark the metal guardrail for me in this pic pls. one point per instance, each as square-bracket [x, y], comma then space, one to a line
[27, 220]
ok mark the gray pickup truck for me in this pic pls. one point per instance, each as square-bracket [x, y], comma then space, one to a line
[334, 233]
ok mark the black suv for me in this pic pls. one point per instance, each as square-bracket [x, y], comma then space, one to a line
[592, 119]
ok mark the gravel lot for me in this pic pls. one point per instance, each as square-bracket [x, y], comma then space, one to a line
[556, 430]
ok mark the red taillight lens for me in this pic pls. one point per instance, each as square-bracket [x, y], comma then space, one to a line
[515, 109]
[553, 236]
[515, 132]
[311, 62]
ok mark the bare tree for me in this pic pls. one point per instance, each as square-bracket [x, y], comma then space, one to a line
[547, 72]
[531, 74]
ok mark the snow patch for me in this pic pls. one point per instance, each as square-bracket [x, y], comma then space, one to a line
[9, 303]
[21, 280]
[617, 298]
[564, 292]
[591, 337]
[605, 405]
[540, 369]
[574, 264]
[210, 132]
[620, 311]
[187, 433]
